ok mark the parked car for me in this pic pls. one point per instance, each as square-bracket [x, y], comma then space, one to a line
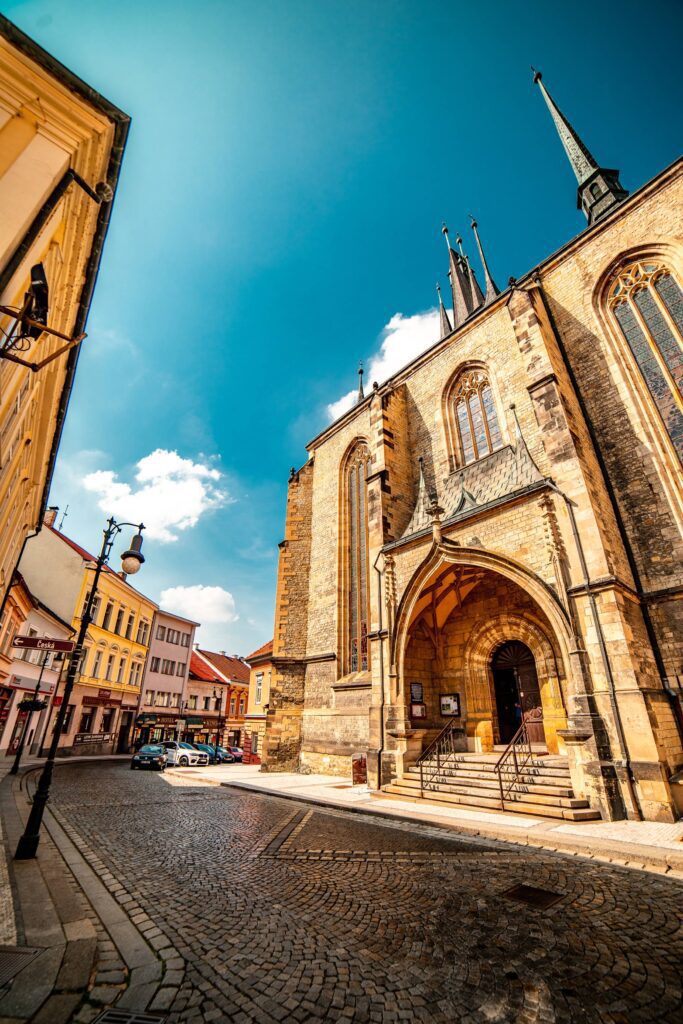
[151, 755]
[237, 752]
[184, 754]
[210, 752]
[227, 756]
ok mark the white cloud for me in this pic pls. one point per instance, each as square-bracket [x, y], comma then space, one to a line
[203, 604]
[403, 338]
[170, 493]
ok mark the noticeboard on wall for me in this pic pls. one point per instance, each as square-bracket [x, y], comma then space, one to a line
[416, 693]
[450, 705]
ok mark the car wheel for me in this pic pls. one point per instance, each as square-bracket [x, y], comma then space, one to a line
[183, 762]
[132, 767]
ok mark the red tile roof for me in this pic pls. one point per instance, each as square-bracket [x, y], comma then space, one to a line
[261, 652]
[200, 670]
[212, 667]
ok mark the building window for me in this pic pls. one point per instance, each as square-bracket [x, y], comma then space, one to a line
[110, 668]
[259, 688]
[129, 625]
[168, 667]
[233, 705]
[86, 721]
[143, 632]
[121, 671]
[207, 703]
[96, 665]
[186, 639]
[161, 632]
[358, 602]
[107, 720]
[107, 615]
[647, 303]
[68, 718]
[154, 665]
[241, 705]
[254, 743]
[180, 669]
[119, 622]
[149, 696]
[135, 673]
[192, 702]
[475, 417]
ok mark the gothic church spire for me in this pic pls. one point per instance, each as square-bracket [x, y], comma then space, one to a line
[459, 284]
[599, 188]
[444, 322]
[476, 294]
[491, 288]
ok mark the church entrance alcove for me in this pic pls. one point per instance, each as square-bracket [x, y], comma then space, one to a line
[517, 692]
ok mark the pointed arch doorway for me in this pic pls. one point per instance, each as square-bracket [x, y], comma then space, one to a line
[517, 692]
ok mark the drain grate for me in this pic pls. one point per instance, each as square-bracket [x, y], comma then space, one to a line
[129, 1017]
[13, 959]
[541, 898]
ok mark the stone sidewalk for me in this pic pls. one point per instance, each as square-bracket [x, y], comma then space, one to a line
[93, 948]
[652, 846]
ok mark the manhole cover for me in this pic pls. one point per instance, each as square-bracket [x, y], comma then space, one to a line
[129, 1017]
[13, 959]
[541, 898]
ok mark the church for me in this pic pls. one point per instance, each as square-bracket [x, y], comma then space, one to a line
[480, 586]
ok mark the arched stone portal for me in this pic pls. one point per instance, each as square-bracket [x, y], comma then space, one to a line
[448, 628]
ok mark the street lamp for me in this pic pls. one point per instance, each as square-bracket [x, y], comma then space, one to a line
[131, 562]
[218, 697]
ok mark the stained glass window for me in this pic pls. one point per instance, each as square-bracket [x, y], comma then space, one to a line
[357, 533]
[648, 306]
[477, 423]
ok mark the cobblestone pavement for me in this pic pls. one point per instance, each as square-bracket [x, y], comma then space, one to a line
[286, 913]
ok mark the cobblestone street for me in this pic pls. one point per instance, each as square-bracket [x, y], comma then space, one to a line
[282, 912]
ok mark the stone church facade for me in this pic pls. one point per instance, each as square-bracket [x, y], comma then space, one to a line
[490, 543]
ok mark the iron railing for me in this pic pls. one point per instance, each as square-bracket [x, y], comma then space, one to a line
[514, 760]
[439, 749]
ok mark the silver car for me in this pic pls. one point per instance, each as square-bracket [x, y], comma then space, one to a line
[183, 754]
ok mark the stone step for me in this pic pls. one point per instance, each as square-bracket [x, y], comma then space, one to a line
[583, 812]
[551, 788]
[450, 769]
[529, 794]
[489, 767]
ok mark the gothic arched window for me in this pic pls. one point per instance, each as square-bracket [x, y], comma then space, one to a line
[475, 416]
[647, 303]
[358, 599]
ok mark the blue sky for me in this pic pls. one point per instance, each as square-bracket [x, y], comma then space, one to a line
[287, 172]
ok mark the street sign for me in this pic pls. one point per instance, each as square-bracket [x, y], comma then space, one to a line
[43, 643]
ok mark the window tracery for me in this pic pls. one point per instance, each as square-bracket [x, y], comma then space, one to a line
[647, 303]
[358, 604]
[475, 416]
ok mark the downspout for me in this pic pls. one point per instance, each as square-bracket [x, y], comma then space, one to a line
[381, 671]
[588, 588]
[652, 636]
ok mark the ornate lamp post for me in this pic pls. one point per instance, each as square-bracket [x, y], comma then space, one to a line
[218, 697]
[131, 560]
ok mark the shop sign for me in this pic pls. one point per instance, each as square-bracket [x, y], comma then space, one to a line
[450, 705]
[100, 702]
[104, 693]
[195, 720]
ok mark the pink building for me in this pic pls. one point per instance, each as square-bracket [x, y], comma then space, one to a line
[164, 681]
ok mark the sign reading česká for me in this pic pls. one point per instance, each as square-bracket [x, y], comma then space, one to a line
[43, 643]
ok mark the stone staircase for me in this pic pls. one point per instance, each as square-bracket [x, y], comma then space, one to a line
[543, 788]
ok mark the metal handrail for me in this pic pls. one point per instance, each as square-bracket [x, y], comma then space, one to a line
[442, 745]
[519, 742]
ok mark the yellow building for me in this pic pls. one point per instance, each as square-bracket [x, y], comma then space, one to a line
[60, 151]
[261, 663]
[105, 698]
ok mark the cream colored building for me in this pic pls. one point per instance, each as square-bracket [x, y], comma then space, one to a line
[260, 676]
[480, 588]
[61, 146]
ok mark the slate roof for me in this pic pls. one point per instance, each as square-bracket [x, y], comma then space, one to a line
[503, 473]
